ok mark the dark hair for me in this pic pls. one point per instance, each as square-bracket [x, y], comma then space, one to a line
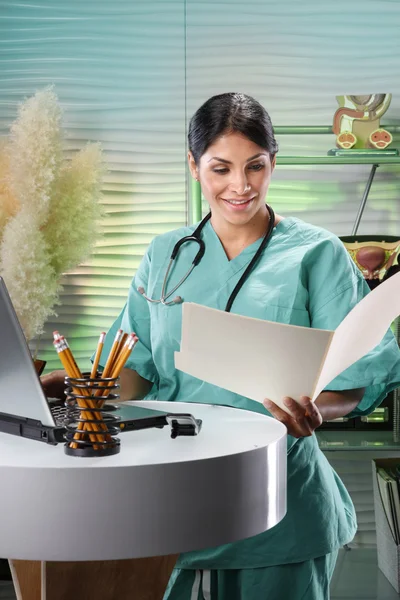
[228, 113]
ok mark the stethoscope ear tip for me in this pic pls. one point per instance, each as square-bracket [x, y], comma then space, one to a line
[140, 290]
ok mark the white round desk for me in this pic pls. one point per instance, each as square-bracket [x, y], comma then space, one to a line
[159, 496]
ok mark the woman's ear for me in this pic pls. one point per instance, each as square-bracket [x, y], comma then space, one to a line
[273, 163]
[192, 166]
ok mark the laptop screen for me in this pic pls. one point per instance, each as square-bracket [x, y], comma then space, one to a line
[20, 391]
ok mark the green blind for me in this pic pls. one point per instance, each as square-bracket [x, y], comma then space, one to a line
[118, 69]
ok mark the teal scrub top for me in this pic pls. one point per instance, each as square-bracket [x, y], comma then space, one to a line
[304, 277]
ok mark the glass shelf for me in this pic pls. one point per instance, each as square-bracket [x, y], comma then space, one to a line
[346, 440]
[320, 129]
[338, 160]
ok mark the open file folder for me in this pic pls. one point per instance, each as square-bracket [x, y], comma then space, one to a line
[261, 359]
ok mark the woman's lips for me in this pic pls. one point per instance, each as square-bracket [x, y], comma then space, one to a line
[237, 203]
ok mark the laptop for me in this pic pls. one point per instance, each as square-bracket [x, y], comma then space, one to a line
[27, 412]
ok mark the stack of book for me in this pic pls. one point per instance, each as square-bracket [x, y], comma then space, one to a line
[388, 479]
[386, 482]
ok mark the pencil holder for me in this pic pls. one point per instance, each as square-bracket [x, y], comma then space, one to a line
[92, 425]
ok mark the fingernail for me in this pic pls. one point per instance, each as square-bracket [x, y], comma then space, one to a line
[287, 401]
[267, 403]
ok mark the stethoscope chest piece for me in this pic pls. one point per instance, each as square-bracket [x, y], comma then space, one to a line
[176, 300]
[195, 237]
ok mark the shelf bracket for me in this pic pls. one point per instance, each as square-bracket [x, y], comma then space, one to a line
[364, 199]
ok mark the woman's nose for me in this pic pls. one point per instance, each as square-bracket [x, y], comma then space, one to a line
[240, 186]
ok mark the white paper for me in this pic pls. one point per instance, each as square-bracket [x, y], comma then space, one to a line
[252, 357]
[361, 330]
[261, 359]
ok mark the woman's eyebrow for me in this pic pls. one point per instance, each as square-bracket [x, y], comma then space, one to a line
[228, 162]
[256, 156]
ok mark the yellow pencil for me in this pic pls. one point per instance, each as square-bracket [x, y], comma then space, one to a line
[73, 372]
[130, 343]
[120, 346]
[96, 360]
[109, 365]
[111, 357]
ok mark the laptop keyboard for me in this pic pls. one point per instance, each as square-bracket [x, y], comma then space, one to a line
[59, 415]
[59, 412]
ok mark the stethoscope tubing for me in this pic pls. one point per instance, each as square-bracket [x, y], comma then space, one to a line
[195, 237]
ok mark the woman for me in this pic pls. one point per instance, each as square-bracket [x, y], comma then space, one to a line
[302, 276]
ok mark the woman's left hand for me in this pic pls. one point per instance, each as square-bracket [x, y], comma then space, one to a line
[303, 419]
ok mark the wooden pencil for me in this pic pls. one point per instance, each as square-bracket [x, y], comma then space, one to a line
[113, 352]
[130, 343]
[73, 372]
[97, 355]
[121, 346]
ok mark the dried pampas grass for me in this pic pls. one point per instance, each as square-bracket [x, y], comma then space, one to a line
[49, 209]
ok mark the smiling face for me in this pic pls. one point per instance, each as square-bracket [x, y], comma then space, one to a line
[235, 174]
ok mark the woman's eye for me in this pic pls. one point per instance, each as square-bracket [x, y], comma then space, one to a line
[221, 171]
[257, 167]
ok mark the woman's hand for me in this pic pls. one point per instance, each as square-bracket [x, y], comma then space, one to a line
[53, 384]
[304, 417]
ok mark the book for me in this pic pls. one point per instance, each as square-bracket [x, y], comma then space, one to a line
[389, 492]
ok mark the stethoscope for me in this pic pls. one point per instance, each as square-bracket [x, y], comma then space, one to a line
[195, 237]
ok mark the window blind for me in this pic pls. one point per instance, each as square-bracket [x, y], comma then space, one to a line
[118, 70]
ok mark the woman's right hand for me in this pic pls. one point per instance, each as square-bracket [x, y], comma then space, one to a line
[53, 384]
